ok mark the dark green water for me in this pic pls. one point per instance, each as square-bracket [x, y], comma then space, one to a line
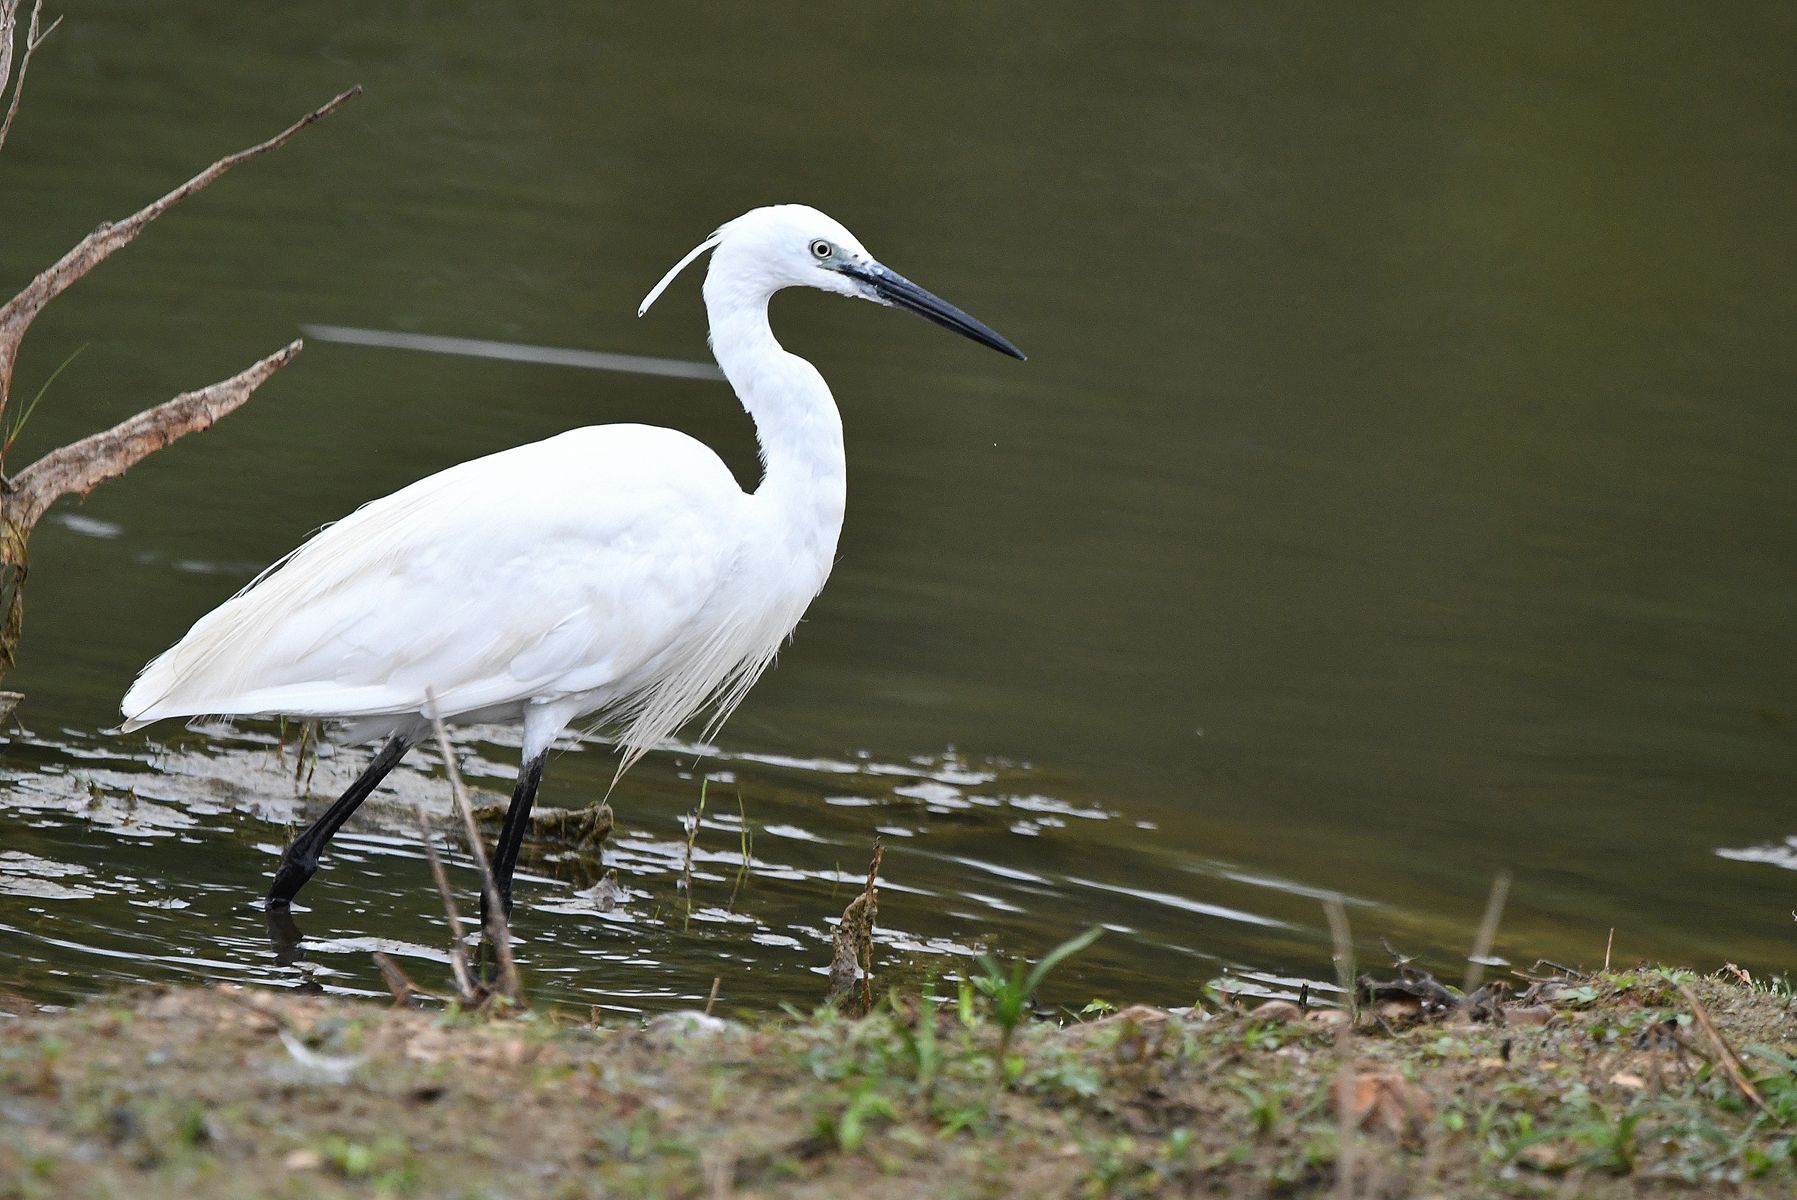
[1400, 488]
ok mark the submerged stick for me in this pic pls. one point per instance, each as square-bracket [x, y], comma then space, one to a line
[1488, 927]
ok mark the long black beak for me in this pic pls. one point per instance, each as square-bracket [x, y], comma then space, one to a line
[889, 287]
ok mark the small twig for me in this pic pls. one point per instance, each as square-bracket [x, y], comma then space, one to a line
[1534, 975]
[33, 39]
[1343, 944]
[398, 982]
[1488, 927]
[1608, 943]
[1343, 954]
[1398, 957]
[465, 985]
[99, 245]
[717, 981]
[1724, 1053]
[498, 930]
[719, 1167]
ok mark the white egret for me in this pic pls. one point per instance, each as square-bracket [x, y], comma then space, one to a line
[616, 573]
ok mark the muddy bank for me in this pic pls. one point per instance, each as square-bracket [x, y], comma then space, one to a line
[1607, 1086]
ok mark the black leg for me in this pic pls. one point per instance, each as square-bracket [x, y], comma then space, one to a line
[511, 835]
[301, 859]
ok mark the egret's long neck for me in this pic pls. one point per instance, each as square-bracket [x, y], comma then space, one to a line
[804, 472]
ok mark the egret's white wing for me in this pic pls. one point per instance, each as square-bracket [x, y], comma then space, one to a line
[561, 567]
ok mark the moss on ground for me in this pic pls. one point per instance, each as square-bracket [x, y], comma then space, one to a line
[204, 1093]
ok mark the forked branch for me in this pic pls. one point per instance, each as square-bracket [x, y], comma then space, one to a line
[81, 466]
[9, 12]
[99, 245]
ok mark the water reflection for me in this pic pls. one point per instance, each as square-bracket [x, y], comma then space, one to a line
[779, 850]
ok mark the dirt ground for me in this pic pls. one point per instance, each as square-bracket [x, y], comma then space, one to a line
[1607, 1086]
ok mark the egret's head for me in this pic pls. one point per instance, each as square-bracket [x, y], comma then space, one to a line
[795, 245]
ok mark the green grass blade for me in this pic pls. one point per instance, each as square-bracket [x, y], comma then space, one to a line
[1059, 954]
[24, 415]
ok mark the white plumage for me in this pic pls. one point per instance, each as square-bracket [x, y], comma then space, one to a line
[607, 567]
[616, 572]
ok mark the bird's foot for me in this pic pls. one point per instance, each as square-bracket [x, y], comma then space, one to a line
[288, 881]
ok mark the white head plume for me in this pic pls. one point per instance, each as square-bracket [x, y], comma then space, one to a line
[655, 292]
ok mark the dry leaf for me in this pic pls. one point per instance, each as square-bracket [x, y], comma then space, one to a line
[1384, 1100]
[1399, 1010]
[1533, 1014]
[1552, 1157]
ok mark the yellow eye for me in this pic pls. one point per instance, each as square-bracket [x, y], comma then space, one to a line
[821, 249]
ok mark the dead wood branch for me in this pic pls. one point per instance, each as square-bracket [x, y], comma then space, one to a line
[498, 930]
[79, 467]
[83, 465]
[33, 39]
[466, 988]
[99, 245]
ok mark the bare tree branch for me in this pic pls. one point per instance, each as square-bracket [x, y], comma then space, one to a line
[97, 246]
[33, 39]
[80, 467]
[9, 23]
